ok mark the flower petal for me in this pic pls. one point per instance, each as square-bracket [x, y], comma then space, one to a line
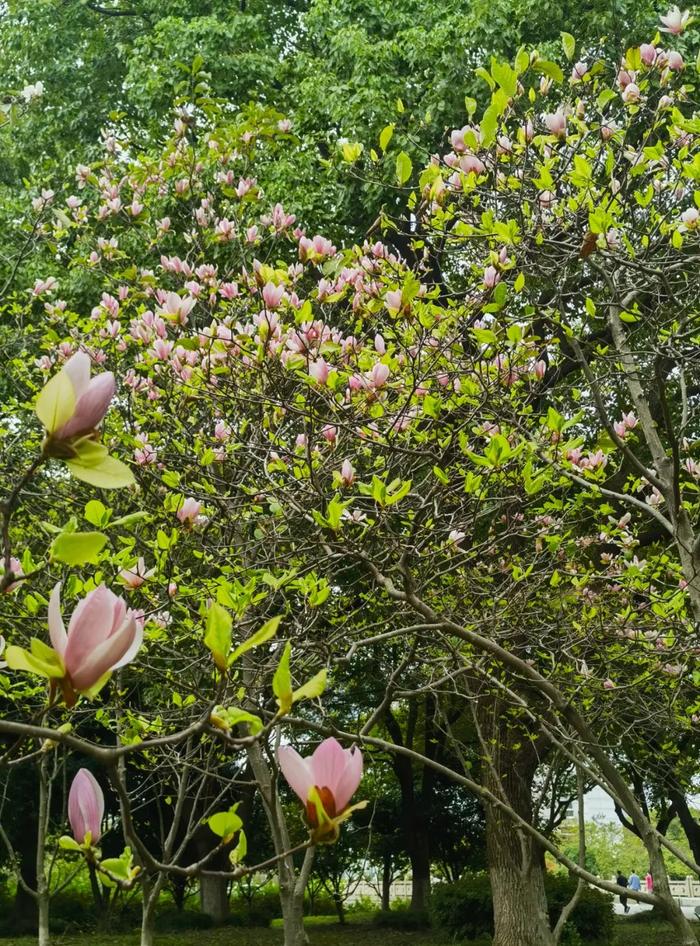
[135, 645]
[347, 784]
[78, 370]
[89, 626]
[104, 657]
[296, 770]
[57, 629]
[328, 764]
[91, 406]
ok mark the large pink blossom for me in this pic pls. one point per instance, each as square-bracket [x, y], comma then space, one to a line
[92, 397]
[333, 771]
[102, 635]
[86, 805]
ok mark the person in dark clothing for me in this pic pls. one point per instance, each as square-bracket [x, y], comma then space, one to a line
[621, 881]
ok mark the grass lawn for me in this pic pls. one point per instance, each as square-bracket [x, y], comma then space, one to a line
[323, 932]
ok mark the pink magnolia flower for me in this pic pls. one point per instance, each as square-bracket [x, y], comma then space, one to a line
[135, 577]
[675, 21]
[393, 300]
[334, 772]
[222, 431]
[579, 71]
[631, 93]
[272, 295]
[491, 277]
[675, 61]
[189, 511]
[319, 370]
[16, 570]
[86, 806]
[175, 307]
[556, 123]
[102, 636]
[347, 473]
[92, 397]
[691, 217]
[648, 54]
[379, 374]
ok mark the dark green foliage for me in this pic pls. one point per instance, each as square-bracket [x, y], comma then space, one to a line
[465, 909]
[402, 918]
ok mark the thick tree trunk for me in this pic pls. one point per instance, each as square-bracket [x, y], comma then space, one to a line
[689, 824]
[213, 898]
[416, 801]
[420, 864]
[515, 862]
[386, 883]
[339, 905]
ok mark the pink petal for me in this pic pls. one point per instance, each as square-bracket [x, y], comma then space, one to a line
[119, 614]
[78, 370]
[296, 770]
[89, 626]
[328, 764]
[135, 645]
[57, 630]
[91, 406]
[104, 657]
[86, 806]
[349, 780]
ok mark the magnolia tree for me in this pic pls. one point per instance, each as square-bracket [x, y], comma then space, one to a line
[448, 459]
[150, 684]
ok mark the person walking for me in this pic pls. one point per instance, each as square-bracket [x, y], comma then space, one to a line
[649, 882]
[622, 881]
[635, 882]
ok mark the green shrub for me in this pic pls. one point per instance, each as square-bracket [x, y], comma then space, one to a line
[465, 909]
[593, 917]
[264, 907]
[363, 904]
[402, 918]
[570, 936]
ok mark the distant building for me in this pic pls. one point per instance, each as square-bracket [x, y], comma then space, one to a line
[597, 806]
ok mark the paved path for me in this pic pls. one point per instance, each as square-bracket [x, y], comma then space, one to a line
[643, 908]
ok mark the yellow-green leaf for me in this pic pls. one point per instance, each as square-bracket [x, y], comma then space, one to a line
[267, 631]
[386, 137]
[240, 850]
[404, 167]
[225, 823]
[217, 636]
[312, 688]
[94, 465]
[42, 660]
[77, 548]
[569, 44]
[282, 681]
